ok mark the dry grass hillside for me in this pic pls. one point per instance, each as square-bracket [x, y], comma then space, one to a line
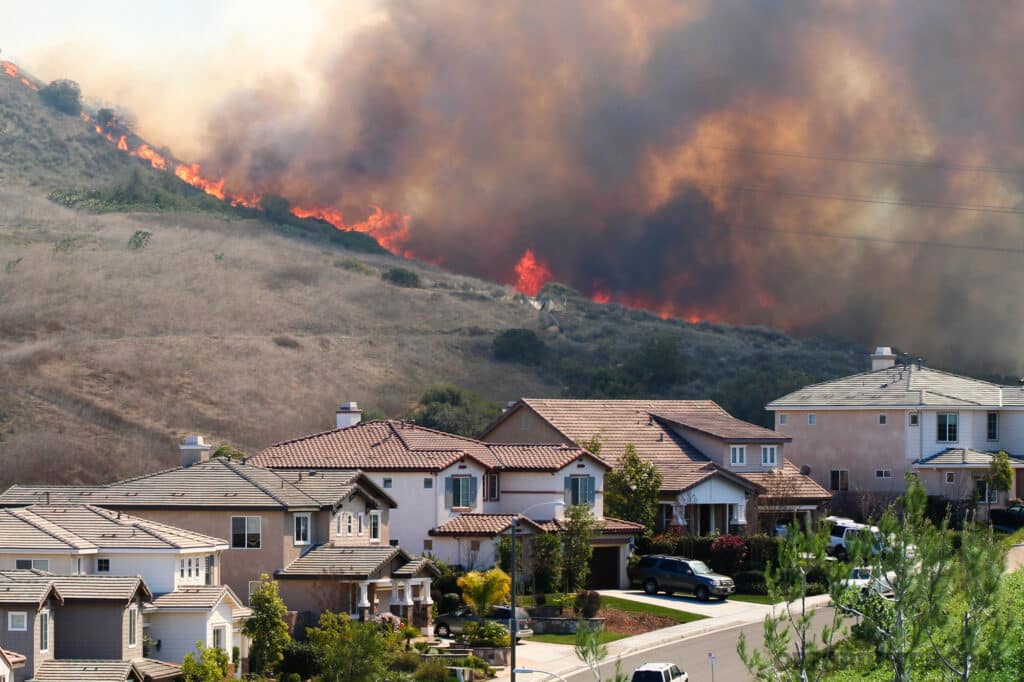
[222, 326]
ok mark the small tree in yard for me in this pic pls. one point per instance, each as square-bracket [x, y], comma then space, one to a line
[547, 562]
[592, 652]
[484, 590]
[212, 665]
[631, 490]
[350, 651]
[1000, 476]
[265, 628]
[580, 528]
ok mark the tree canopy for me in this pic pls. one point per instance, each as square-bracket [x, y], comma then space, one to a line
[456, 410]
[631, 489]
[266, 627]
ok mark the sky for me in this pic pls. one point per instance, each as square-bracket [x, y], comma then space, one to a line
[176, 59]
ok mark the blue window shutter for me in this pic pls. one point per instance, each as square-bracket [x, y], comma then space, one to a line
[448, 495]
[590, 490]
[472, 492]
[568, 491]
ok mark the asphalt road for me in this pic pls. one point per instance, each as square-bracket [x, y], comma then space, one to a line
[691, 654]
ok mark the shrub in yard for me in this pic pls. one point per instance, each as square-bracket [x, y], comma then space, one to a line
[728, 553]
[432, 671]
[588, 603]
[402, 277]
[299, 659]
[449, 602]
[751, 582]
[665, 543]
[762, 550]
[476, 663]
[291, 677]
[694, 547]
[406, 662]
[485, 633]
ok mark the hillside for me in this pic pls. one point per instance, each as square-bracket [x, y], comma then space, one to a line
[225, 325]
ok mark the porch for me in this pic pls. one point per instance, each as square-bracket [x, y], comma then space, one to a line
[717, 503]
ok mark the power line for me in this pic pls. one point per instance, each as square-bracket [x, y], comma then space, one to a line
[905, 163]
[889, 240]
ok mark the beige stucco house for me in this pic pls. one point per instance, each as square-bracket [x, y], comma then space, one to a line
[719, 473]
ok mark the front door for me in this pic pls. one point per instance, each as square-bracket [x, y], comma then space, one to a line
[706, 525]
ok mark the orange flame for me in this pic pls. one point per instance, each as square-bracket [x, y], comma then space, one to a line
[601, 296]
[146, 152]
[193, 176]
[122, 144]
[531, 274]
[85, 117]
[10, 69]
[389, 228]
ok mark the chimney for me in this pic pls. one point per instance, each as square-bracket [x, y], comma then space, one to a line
[883, 358]
[348, 415]
[194, 450]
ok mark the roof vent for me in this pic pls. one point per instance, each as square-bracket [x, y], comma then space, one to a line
[882, 358]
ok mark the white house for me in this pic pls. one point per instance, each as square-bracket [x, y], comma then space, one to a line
[439, 477]
[859, 435]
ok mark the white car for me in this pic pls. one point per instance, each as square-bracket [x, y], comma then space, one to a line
[866, 580]
[659, 672]
[842, 533]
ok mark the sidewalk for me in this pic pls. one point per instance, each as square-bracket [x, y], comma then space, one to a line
[561, 659]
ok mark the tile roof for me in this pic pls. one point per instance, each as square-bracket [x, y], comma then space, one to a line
[900, 386]
[416, 566]
[219, 483]
[86, 670]
[14, 659]
[344, 562]
[86, 528]
[78, 587]
[965, 457]
[388, 445]
[611, 526]
[27, 587]
[197, 597]
[721, 425]
[155, 670]
[787, 483]
[485, 525]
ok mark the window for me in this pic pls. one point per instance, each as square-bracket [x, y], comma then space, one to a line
[883, 473]
[950, 477]
[579, 490]
[428, 483]
[783, 419]
[460, 492]
[38, 564]
[491, 487]
[984, 491]
[254, 587]
[17, 621]
[246, 532]
[350, 524]
[428, 545]
[360, 523]
[914, 418]
[375, 526]
[738, 454]
[387, 482]
[883, 419]
[133, 626]
[218, 639]
[992, 426]
[524, 421]
[181, 569]
[211, 563]
[301, 535]
[840, 479]
[946, 427]
[78, 570]
[474, 546]
[44, 631]
[812, 419]
[103, 565]
[769, 455]
[189, 564]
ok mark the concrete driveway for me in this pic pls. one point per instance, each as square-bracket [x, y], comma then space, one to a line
[713, 608]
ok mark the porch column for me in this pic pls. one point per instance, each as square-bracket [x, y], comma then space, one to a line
[711, 516]
[395, 604]
[407, 602]
[423, 614]
[364, 599]
[425, 586]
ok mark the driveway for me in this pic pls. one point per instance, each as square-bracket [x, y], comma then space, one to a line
[1015, 558]
[713, 608]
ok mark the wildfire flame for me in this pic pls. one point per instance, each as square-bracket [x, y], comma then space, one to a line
[664, 309]
[122, 144]
[193, 176]
[12, 71]
[389, 228]
[146, 152]
[531, 274]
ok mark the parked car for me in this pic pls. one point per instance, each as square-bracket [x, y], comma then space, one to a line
[452, 623]
[659, 672]
[866, 580]
[844, 531]
[1011, 518]
[668, 574]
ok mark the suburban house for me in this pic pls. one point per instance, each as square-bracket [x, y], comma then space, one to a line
[458, 495]
[717, 470]
[859, 435]
[9, 662]
[176, 564]
[284, 524]
[83, 623]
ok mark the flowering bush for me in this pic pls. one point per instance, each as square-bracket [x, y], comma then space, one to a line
[727, 553]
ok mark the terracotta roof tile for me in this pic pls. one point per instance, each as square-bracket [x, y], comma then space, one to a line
[611, 526]
[485, 525]
[787, 483]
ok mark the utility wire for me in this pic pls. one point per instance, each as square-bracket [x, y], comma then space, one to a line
[905, 163]
[889, 240]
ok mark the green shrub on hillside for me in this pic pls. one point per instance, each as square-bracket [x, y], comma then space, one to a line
[63, 95]
[455, 410]
[520, 345]
[402, 277]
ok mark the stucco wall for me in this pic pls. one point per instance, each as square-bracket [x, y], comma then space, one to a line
[520, 490]
[319, 595]
[460, 552]
[27, 642]
[59, 564]
[177, 633]
[93, 630]
[536, 430]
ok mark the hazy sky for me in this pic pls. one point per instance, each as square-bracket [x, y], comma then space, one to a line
[170, 62]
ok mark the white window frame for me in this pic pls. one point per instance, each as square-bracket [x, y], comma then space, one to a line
[32, 564]
[350, 522]
[913, 419]
[947, 439]
[375, 516]
[44, 630]
[78, 566]
[254, 584]
[989, 490]
[99, 568]
[181, 569]
[360, 525]
[296, 518]
[738, 455]
[950, 477]
[231, 532]
[783, 419]
[812, 419]
[765, 451]
[989, 415]
[222, 631]
[883, 419]
[460, 484]
[491, 487]
[11, 627]
[883, 473]
[133, 625]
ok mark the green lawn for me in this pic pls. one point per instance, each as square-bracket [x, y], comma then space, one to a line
[654, 610]
[751, 598]
[604, 638]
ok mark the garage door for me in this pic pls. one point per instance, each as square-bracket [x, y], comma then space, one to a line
[604, 569]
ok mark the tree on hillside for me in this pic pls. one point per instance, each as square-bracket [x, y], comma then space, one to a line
[658, 363]
[266, 628]
[228, 451]
[455, 410]
[520, 345]
[63, 95]
[578, 545]
[631, 490]
[277, 208]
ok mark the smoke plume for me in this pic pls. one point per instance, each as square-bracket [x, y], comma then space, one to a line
[823, 167]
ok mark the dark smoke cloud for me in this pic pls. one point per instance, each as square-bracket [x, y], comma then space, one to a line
[598, 134]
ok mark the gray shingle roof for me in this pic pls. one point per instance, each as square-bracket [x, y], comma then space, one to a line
[198, 597]
[27, 587]
[157, 671]
[217, 484]
[344, 562]
[83, 670]
[416, 566]
[964, 457]
[78, 587]
[900, 386]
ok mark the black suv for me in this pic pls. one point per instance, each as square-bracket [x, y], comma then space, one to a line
[668, 574]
